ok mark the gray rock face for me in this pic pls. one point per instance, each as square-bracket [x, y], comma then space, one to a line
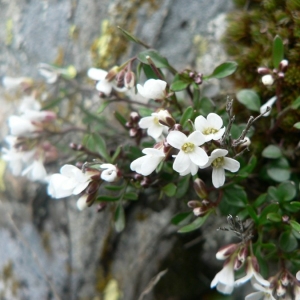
[49, 250]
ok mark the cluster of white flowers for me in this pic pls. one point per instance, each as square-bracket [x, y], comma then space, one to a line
[191, 156]
[75, 181]
[25, 153]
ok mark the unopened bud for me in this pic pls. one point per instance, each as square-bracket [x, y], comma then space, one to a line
[194, 204]
[120, 79]
[280, 291]
[200, 211]
[263, 70]
[285, 279]
[80, 147]
[177, 127]
[134, 116]
[92, 188]
[133, 132]
[246, 143]
[267, 79]
[73, 146]
[129, 79]
[285, 219]
[226, 251]
[200, 188]
[112, 73]
[101, 206]
[145, 182]
[283, 65]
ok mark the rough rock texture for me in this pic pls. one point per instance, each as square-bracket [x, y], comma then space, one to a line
[49, 250]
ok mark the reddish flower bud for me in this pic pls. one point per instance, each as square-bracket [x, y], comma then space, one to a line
[200, 188]
[226, 251]
[263, 70]
[283, 65]
[129, 79]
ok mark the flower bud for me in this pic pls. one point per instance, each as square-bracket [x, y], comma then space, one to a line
[226, 251]
[285, 279]
[101, 206]
[82, 202]
[200, 188]
[120, 79]
[92, 188]
[134, 117]
[243, 145]
[280, 290]
[200, 211]
[129, 79]
[285, 219]
[283, 65]
[263, 70]
[267, 79]
[194, 204]
[112, 73]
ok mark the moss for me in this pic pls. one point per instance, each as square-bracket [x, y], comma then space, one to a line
[111, 44]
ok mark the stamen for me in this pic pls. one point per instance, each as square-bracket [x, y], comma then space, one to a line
[188, 147]
[218, 162]
[210, 130]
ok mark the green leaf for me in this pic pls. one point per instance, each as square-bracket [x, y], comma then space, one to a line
[223, 70]
[249, 98]
[206, 106]
[295, 225]
[271, 208]
[158, 60]
[149, 72]
[145, 111]
[130, 196]
[246, 170]
[296, 103]
[119, 218]
[288, 242]
[194, 225]
[114, 187]
[101, 147]
[121, 119]
[252, 213]
[274, 217]
[180, 82]
[131, 37]
[182, 186]
[108, 198]
[188, 114]
[278, 51]
[295, 205]
[235, 196]
[170, 189]
[286, 191]
[116, 154]
[102, 107]
[260, 200]
[272, 151]
[297, 125]
[181, 217]
[279, 170]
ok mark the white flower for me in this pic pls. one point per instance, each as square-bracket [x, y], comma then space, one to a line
[110, 172]
[103, 85]
[151, 123]
[152, 89]
[82, 202]
[264, 293]
[190, 153]
[36, 171]
[49, 72]
[220, 163]
[269, 103]
[252, 273]
[226, 251]
[224, 280]
[29, 103]
[210, 127]
[146, 164]
[11, 83]
[267, 79]
[71, 181]
[20, 126]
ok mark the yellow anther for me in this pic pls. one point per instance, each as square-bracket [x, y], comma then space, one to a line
[218, 162]
[188, 147]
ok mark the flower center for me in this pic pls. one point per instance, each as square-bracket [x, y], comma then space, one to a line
[188, 147]
[210, 130]
[156, 121]
[218, 162]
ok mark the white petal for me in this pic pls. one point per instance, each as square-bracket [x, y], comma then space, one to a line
[196, 138]
[255, 296]
[176, 139]
[218, 153]
[243, 279]
[182, 160]
[258, 278]
[155, 130]
[137, 164]
[215, 121]
[201, 123]
[80, 187]
[298, 275]
[104, 86]
[198, 156]
[231, 164]
[218, 177]
[81, 203]
[96, 74]
[146, 122]
[108, 166]
[225, 289]
[216, 136]
[109, 175]
[153, 151]
[57, 188]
